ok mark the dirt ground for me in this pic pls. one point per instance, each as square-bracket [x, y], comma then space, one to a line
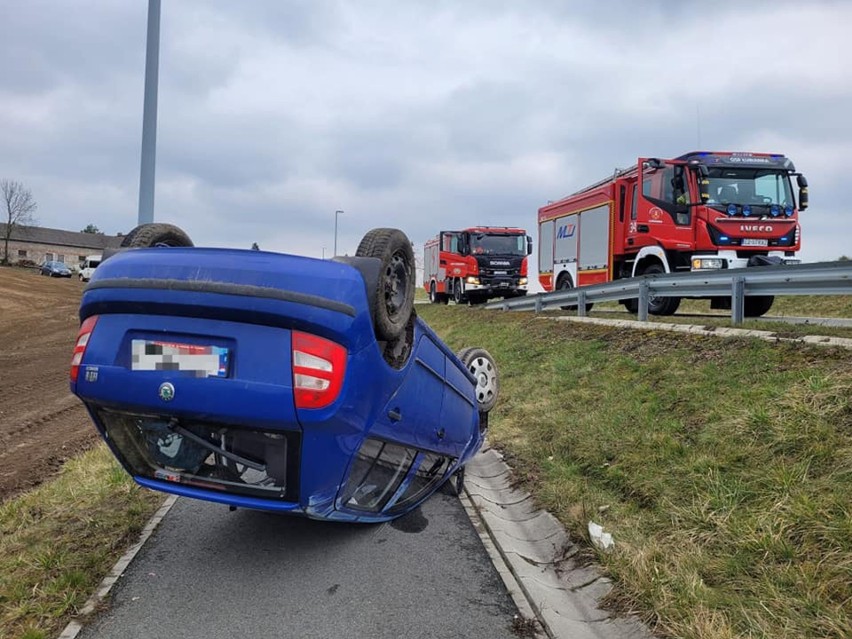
[41, 423]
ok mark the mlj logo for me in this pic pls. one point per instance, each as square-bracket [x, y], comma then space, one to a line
[566, 230]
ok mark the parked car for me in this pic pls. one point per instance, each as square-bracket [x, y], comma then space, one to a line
[87, 268]
[277, 382]
[55, 269]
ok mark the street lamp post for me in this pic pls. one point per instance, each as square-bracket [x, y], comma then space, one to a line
[336, 213]
[149, 116]
[323, 252]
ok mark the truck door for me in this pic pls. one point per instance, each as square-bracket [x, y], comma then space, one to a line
[451, 260]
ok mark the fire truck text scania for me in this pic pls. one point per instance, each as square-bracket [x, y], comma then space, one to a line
[702, 210]
[476, 264]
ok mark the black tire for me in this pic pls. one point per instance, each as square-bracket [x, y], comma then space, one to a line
[481, 365]
[660, 305]
[632, 306]
[393, 299]
[454, 486]
[458, 295]
[148, 235]
[433, 294]
[757, 305]
[564, 283]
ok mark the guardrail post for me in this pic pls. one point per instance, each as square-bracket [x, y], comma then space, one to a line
[643, 301]
[737, 300]
[581, 303]
[538, 303]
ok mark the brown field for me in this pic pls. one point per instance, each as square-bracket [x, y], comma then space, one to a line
[42, 424]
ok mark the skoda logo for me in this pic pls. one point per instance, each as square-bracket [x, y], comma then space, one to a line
[166, 392]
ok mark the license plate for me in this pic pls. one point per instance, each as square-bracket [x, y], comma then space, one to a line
[194, 359]
[754, 242]
[500, 272]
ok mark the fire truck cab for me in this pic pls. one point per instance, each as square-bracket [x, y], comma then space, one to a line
[702, 210]
[476, 264]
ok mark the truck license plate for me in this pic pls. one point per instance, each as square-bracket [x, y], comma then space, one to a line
[754, 242]
[195, 359]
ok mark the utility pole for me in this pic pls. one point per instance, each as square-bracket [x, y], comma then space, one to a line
[149, 116]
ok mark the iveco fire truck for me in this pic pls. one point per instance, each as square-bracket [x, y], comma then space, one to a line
[476, 264]
[702, 210]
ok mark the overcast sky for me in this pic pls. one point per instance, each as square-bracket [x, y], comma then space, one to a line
[419, 115]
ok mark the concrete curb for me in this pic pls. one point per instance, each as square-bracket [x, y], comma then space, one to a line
[75, 626]
[721, 331]
[536, 550]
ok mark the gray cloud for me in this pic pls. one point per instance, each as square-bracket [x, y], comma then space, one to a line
[421, 115]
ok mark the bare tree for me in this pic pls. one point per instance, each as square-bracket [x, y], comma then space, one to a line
[18, 210]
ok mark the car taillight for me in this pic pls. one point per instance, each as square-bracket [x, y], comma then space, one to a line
[80, 346]
[319, 366]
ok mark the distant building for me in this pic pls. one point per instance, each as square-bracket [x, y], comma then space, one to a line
[38, 244]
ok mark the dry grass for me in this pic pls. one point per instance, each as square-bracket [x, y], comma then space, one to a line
[58, 541]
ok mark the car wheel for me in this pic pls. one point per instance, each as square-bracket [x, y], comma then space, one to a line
[481, 365]
[393, 299]
[148, 235]
[660, 305]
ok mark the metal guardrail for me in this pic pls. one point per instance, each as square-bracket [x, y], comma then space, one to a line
[823, 278]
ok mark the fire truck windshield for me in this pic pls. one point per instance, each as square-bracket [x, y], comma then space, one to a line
[750, 186]
[482, 244]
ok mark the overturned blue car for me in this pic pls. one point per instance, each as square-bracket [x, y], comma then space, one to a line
[277, 382]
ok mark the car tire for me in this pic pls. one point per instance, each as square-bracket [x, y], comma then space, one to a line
[481, 365]
[393, 297]
[148, 235]
[660, 305]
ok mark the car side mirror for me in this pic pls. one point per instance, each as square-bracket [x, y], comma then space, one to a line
[529, 245]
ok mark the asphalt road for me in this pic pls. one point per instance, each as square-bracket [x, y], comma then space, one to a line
[207, 572]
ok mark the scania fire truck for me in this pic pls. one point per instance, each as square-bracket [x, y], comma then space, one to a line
[476, 264]
[702, 210]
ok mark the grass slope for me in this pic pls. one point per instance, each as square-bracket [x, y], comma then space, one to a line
[722, 467]
[58, 541]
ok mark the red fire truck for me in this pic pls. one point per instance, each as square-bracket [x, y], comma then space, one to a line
[702, 210]
[476, 264]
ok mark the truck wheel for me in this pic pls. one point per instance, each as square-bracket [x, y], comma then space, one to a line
[631, 305]
[458, 296]
[481, 365]
[565, 283]
[757, 305]
[393, 299]
[434, 296]
[147, 235]
[660, 305]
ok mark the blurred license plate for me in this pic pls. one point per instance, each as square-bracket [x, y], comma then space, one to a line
[753, 242]
[500, 272]
[194, 359]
